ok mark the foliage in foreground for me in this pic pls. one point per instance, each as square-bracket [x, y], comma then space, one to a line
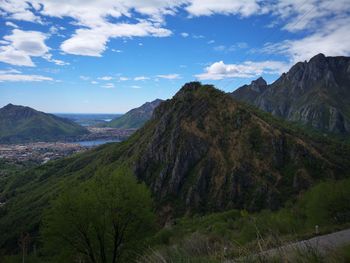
[236, 233]
[104, 220]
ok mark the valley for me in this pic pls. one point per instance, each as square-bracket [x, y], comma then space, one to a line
[178, 131]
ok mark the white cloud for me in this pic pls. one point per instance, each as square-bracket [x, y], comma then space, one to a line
[235, 47]
[58, 62]
[123, 78]
[108, 86]
[10, 24]
[23, 78]
[141, 78]
[135, 87]
[220, 70]
[312, 14]
[21, 46]
[184, 34]
[237, 7]
[92, 42]
[10, 71]
[95, 29]
[169, 76]
[106, 78]
[94, 82]
[19, 10]
[332, 40]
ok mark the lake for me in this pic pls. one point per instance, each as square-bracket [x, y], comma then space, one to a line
[96, 142]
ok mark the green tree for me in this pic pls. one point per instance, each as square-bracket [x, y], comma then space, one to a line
[103, 220]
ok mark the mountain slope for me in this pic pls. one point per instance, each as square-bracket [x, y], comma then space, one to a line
[24, 124]
[135, 118]
[314, 93]
[200, 152]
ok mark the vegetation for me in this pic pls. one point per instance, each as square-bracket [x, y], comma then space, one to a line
[235, 233]
[23, 124]
[104, 220]
[210, 166]
[135, 118]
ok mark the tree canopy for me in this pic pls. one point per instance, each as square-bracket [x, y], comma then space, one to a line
[103, 220]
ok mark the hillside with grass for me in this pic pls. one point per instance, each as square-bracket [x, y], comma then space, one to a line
[23, 124]
[135, 118]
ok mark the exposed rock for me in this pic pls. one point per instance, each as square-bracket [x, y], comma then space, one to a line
[202, 151]
[314, 93]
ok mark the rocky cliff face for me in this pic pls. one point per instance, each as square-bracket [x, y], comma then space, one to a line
[202, 151]
[314, 93]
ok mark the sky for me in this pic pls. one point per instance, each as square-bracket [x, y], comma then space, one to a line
[104, 56]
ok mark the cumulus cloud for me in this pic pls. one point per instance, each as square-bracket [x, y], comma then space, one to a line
[21, 46]
[169, 76]
[236, 7]
[96, 29]
[220, 70]
[93, 41]
[20, 10]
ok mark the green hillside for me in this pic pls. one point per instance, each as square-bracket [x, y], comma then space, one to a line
[23, 124]
[135, 118]
[201, 153]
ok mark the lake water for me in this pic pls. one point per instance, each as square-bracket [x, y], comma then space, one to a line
[95, 142]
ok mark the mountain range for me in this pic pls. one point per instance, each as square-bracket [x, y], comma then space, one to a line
[201, 152]
[24, 124]
[314, 93]
[135, 118]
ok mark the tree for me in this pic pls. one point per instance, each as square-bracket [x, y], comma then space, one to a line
[100, 221]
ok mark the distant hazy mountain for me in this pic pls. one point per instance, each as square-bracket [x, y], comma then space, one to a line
[135, 118]
[24, 124]
[315, 93]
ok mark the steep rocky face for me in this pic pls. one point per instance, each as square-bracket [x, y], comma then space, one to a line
[315, 93]
[202, 151]
[24, 124]
[135, 118]
[251, 91]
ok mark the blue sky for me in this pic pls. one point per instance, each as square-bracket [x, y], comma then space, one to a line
[110, 56]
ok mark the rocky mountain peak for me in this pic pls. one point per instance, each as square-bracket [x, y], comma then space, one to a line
[258, 84]
[314, 93]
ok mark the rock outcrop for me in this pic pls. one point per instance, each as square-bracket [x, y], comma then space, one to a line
[314, 93]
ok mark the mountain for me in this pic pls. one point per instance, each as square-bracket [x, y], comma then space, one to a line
[135, 118]
[24, 124]
[201, 151]
[314, 93]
